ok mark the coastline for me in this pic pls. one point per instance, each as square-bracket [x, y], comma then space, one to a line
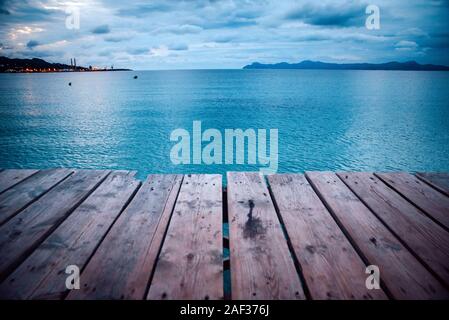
[67, 71]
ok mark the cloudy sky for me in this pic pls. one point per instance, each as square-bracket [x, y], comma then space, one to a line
[176, 34]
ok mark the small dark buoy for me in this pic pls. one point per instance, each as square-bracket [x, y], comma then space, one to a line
[70, 83]
[135, 77]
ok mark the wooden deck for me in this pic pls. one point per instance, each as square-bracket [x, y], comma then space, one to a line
[291, 236]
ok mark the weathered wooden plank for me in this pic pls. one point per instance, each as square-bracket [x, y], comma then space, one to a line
[261, 263]
[42, 275]
[18, 197]
[429, 200]
[331, 267]
[438, 180]
[20, 235]
[190, 265]
[122, 265]
[403, 275]
[422, 235]
[11, 177]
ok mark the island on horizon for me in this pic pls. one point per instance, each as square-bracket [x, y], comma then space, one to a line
[36, 65]
[318, 65]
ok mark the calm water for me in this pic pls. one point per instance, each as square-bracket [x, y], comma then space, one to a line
[327, 120]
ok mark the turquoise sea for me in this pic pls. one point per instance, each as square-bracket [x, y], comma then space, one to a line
[326, 119]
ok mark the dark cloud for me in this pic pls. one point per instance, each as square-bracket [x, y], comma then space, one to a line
[105, 53]
[224, 39]
[25, 11]
[234, 17]
[116, 39]
[225, 33]
[178, 47]
[440, 3]
[248, 13]
[143, 10]
[228, 22]
[103, 29]
[438, 41]
[39, 54]
[32, 43]
[3, 8]
[335, 15]
[138, 51]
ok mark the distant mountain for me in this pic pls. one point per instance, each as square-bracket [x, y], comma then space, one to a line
[307, 64]
[39, 65]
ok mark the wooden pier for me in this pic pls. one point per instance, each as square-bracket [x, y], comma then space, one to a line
[291, 236]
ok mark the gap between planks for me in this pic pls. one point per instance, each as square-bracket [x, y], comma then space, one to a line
[28, 229]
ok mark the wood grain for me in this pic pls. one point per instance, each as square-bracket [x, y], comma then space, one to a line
[190, 265]
[402, 274]
[429, 200]
[24, 232]
[261, 263]
[331, 267]
[11, 177]
[427, 239]
[18, 197]
[438, 180]
[42, 275]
